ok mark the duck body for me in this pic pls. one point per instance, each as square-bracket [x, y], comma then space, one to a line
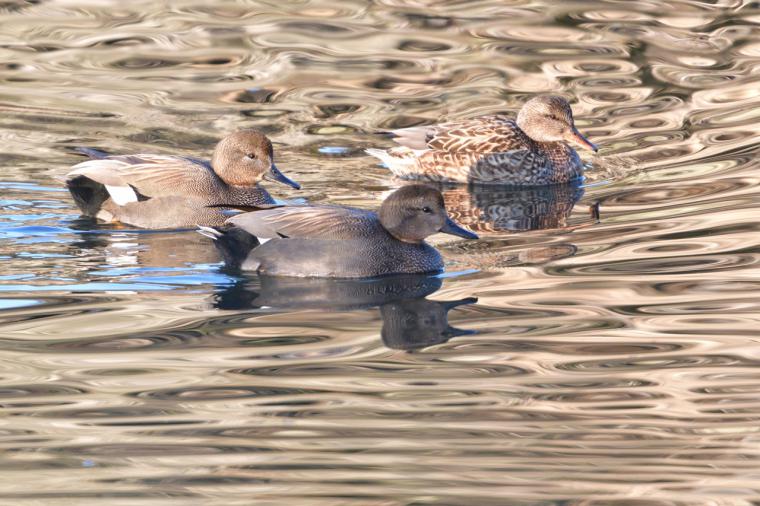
[153, 191]
[368, 254]
[161, 191]
[341, 242]
[530, 151]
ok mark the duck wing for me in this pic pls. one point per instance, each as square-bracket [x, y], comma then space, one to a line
[486, 134]
[314, 222]
[130, 178]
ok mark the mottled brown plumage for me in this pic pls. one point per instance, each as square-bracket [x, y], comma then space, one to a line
[494, 149]
[162, 191]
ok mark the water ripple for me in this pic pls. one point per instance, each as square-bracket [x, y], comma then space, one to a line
[610, 355]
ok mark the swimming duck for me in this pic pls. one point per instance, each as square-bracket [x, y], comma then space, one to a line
[494, 149]
[162, 191]
[341, 242]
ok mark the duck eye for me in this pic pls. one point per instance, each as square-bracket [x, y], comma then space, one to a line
[427, 210]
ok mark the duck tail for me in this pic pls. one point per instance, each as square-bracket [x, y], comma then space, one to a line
[88, 195]
[93, 153]
[380, 154]
[400, 161]
[394, 161]
[233, 243]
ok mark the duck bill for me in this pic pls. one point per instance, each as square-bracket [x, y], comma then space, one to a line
[449, 227]
[577, 138]
[275, 175]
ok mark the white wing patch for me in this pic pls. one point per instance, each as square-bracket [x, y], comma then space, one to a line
[121, 195]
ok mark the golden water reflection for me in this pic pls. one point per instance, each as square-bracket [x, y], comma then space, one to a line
[610, 357]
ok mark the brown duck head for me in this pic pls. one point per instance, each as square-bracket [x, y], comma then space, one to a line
[549, 118]
[246, 157]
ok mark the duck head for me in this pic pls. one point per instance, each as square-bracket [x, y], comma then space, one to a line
[246, 157]
[548, 118]
[415, 212]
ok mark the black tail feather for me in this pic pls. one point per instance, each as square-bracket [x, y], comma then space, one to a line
[95, 154]
[233, 243]
[88, 195]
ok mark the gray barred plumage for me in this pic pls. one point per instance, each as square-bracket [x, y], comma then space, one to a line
[342, 242]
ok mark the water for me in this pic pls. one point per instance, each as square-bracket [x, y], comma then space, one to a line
[597, 346]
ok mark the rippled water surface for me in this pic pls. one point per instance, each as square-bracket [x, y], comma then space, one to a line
[598, 344]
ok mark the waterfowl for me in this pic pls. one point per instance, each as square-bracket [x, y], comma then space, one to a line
[341, 242]
[531, 151]
[162, 191]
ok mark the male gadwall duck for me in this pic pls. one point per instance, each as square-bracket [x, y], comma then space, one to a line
[531, 151]
[341, 242]
[162, 191]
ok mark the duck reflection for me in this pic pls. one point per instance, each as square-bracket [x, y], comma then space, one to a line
[409, 324]
[128, 246]
[410, 320]
[500, 208]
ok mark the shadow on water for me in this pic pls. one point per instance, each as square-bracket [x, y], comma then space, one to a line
[410, 320]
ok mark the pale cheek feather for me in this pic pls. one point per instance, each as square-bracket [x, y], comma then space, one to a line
[121, 195]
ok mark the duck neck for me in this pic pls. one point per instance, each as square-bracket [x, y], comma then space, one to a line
[246, 195]
[557, 152]
[525, 139]
[396, 234]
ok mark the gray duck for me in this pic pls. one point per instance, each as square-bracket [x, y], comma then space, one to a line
[340, 242]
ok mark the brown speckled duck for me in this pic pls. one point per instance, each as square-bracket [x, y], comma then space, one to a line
[162, 191]
[494, 149]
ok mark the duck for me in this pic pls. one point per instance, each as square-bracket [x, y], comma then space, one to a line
[166, 191]
[330, 241]
[534, 150]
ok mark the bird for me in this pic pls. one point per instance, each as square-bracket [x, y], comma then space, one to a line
[166, 191]
[340, 242]
[494, 149]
